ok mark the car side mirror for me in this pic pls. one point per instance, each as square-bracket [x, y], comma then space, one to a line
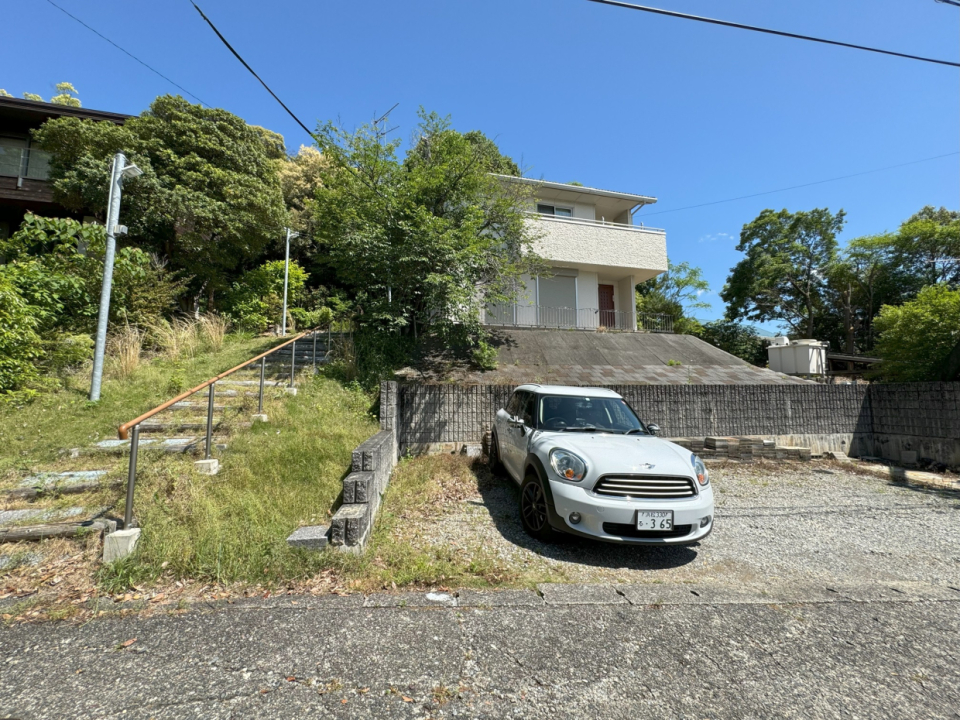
[514, 421]
[654, 428]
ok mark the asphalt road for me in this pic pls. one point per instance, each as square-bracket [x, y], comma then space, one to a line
[820, 595]
[865, 652]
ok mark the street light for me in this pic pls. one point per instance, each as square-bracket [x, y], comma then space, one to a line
[119, 172]
[286, 274]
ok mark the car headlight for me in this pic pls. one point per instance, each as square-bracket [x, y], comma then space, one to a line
[703, 477]
[567, 465]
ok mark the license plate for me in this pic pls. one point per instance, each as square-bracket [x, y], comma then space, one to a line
[655, 520]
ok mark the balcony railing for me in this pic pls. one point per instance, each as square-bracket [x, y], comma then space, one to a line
[601, 222]
[544, 316]
[24, 163]
[655, 322]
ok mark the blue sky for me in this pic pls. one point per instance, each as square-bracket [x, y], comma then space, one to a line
[612, 98]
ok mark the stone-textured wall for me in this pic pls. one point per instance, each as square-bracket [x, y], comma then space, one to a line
[859, 419]
[373, 463]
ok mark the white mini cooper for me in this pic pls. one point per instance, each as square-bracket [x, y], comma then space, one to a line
[588, 466]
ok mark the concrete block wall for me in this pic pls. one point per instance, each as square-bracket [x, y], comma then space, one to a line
[372, 465]
[883, 420]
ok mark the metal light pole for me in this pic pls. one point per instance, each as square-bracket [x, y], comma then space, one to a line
[286, 275]
[119, 171]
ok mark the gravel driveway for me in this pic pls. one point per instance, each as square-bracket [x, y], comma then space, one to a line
[812, 523]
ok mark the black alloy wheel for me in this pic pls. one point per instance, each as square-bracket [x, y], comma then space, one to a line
[533, 509]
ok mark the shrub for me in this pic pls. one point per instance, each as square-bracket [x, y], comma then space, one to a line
[736, 339]
[256, 299]
[66, 351]
[20, 345]
[916, 338]
[484, 356]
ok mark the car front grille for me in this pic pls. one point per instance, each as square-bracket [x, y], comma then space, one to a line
[630, 531]
[645, 486]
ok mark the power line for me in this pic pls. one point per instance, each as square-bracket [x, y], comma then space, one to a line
[795, 187]
[127, 52]
[754, 28]
[244, 62]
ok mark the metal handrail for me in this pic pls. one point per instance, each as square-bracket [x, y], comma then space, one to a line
[124, 430]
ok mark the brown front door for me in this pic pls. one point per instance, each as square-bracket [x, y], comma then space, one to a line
[608, 317]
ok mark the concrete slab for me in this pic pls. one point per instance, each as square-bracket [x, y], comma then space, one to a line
[411, 600]
[312, 537]
[118, 545]
[49, 480]
[207, 467]
[497, 598]
[563, 594]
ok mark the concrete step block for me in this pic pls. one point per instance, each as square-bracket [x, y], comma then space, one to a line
[312, 537]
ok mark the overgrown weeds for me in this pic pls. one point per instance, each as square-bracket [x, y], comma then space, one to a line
[124, 350]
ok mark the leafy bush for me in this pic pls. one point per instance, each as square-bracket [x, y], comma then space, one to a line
[916, 338]
[66, 351]
[57, 266]
[306, 319]
[256, 299]
[20, 345]
[484, 356]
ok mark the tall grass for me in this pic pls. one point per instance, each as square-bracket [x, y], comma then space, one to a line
[124, 350]
[175, 339]
[212, 331]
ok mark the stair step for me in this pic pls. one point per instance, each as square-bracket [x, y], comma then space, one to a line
[64, 483]
[53, 530]
[268, 383]
[187, 405]
[167, 445]
[8, 517]
[181, 426]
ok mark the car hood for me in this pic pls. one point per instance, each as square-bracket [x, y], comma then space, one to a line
[606, 453]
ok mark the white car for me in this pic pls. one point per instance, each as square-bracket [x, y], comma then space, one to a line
[588, 466]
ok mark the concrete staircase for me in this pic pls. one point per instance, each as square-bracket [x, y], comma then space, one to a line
[180, 429]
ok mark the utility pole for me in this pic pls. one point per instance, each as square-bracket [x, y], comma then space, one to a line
[286, 275]
[118, 173]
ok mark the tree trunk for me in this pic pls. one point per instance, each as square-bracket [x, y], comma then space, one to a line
[210, 304]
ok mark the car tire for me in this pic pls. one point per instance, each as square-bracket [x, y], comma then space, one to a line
[494, 462]
[534, 509]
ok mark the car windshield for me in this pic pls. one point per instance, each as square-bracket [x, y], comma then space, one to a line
[569, 413]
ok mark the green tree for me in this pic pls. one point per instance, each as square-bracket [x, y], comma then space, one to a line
[425, 242]
[916, 338]
[66, 95]
[784, 274]
[737, 339]
[674, 293]
[209, 199]
[928, 248]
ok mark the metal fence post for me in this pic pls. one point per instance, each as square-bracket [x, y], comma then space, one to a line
[131, 477]
[206, 455]
[263, 370]
[293, 360]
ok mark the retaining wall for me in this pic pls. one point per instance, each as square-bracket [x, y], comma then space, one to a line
[372, 465]
[884, 420]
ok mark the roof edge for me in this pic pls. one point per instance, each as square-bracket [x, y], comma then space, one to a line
[638, 199]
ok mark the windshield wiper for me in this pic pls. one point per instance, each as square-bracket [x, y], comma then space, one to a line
[634, 430]
[585, 428]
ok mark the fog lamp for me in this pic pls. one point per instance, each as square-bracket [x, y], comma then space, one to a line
[705, 521]
[575, 518]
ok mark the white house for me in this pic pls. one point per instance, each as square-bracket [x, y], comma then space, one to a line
[596, 253]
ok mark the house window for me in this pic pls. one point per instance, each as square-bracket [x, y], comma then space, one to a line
[554, 210]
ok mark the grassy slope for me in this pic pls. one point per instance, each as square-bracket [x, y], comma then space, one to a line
[274, 477]
[32, 435]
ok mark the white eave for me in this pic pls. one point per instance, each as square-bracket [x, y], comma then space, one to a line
[578, 193]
